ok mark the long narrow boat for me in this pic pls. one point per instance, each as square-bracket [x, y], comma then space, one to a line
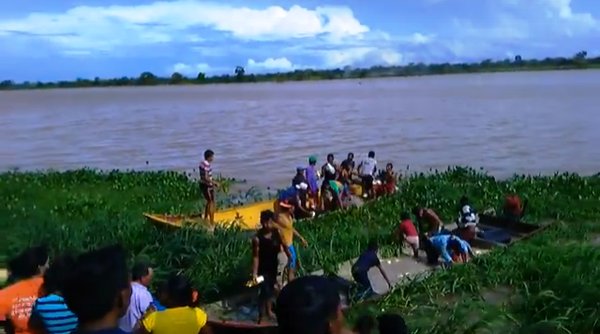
[246, 217]
[238, 314]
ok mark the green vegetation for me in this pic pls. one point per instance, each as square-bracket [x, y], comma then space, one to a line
[552, 278]
[578, 61]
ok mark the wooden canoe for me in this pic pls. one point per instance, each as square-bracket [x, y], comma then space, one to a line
[246, 217]
[237, 314]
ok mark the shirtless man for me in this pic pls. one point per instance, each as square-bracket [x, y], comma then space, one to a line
[434, 223]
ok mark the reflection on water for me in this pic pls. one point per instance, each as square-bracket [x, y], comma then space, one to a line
[506, 123]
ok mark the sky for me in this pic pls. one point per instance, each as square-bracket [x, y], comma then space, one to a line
[67, 39]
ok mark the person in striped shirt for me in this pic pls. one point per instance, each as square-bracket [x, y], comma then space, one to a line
[50, 312]
[208, 185]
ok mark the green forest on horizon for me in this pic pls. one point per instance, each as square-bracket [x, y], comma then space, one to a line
[579, 61]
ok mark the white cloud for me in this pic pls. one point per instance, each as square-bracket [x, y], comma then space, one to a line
[190, 69]
[361, 57]
[106, 27]
[272, 64]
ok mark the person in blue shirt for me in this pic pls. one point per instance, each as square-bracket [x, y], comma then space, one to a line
[367, 260]
[447, 245]
[50, 313]
[296, 196]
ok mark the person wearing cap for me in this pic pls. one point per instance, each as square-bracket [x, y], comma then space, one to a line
[312, 178]
[451, 248]
[468, 220]
[285, 225]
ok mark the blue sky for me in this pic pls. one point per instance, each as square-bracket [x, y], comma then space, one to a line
[66, 39]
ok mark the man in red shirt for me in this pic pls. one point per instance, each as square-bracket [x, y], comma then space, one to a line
[408, 232]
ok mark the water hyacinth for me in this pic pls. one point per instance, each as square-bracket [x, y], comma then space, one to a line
[550, 284]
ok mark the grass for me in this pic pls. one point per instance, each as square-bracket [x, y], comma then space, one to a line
[551, 277]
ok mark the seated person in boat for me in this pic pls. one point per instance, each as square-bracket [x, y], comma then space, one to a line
[284, 221]
[388, 178]
[367, 170]
[513, 210]
[428, 217]
[451, 248]
[467, 220]
[331, 198]
[312, 178]
[182, 314]
[266, 246]
[310, 304]
[297, 197]
[407, 232]
[360, 269]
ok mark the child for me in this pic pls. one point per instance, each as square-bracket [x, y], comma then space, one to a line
[367, 260]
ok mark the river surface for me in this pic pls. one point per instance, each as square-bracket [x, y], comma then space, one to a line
[507, 123]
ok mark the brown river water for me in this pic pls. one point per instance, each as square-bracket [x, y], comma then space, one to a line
[506, 123]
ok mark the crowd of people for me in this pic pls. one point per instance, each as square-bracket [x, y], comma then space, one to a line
[97, 293]
[315, 189]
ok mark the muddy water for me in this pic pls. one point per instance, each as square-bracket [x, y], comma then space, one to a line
[513, 122]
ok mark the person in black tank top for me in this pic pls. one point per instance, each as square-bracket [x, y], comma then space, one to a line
[266, 246]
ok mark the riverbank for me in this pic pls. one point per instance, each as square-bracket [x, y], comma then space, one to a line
[579, 61]
[79, 210]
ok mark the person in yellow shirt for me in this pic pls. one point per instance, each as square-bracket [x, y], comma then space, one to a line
[181, 315]
[285, 225]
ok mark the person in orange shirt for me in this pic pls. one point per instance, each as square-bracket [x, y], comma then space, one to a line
[17, 300]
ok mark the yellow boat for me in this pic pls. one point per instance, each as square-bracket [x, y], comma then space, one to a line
[246, 217]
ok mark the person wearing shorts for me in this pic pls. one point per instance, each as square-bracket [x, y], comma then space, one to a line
[285, 225]
[208, 185]
[408, 232]
[367, 170]
[266, 246]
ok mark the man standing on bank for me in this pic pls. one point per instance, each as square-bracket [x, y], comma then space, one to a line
[208, 185]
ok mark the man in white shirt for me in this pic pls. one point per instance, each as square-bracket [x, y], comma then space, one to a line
[366, 171]
[141, 298]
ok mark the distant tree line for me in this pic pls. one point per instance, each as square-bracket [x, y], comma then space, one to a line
[578, 61]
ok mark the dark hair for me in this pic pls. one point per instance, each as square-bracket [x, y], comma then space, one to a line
[98, 277]
[365, 324]
[56, 275]
[371, 154]
[404, 215]
[179, 291]
[417, 210]
[389, 164]
[373, 245]
[345, 164]
[266, 215]
[307, 305]
[208, 154]
[140, 269]
[330, 155]
[391, 323]
[26, 264]
[350, 154]
[464, 200]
